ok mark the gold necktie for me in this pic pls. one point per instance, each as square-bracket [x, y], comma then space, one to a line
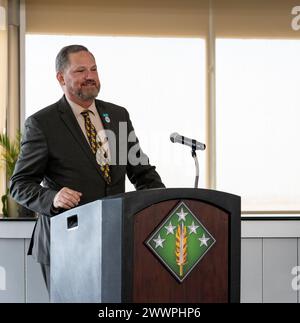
[95, 145]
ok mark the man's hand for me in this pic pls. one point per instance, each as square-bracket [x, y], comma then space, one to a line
[66, 198]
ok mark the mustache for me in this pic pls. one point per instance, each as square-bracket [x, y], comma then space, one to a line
[89, 82]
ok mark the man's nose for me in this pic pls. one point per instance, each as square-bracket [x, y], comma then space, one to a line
[88, 75]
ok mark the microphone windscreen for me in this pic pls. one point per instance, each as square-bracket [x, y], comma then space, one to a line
[173, 136]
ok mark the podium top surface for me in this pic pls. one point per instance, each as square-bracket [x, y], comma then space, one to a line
[137, 200]
[181, 192]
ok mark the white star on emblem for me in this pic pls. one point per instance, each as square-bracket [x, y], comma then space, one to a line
[159, 241]
[170, 228]
[181, 215]
[203, 240]
[193, 228]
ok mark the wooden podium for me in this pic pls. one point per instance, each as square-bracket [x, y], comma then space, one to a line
[107, 250]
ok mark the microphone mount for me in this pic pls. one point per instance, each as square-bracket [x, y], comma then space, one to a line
[195, 145]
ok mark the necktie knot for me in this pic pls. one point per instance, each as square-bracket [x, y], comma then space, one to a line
[85, 114]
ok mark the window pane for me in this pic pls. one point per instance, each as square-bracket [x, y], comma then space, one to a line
[258, 122]
[159, 80]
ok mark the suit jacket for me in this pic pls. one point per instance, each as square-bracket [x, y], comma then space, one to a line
[55, 153]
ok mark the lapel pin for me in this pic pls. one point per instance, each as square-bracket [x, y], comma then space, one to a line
[106, 117]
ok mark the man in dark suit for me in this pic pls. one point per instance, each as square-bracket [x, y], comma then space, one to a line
[66, 159]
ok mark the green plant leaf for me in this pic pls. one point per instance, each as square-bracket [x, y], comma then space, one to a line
[10, 152]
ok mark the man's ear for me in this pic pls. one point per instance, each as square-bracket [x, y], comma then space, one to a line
[60, 78]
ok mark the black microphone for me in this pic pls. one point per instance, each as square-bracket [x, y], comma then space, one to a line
[194, 144]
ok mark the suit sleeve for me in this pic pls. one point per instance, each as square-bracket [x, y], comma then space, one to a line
[30, 169]
[139, 171]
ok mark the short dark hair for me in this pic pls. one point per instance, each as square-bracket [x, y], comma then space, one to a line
[62, 58]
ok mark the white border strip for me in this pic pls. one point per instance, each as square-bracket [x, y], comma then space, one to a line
[270, 229]
[16, 229]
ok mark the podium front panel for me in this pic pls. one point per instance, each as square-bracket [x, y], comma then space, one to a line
[207, 281]
[86, 254]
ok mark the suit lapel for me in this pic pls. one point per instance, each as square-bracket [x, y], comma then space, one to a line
[70, 121]
[107, 122]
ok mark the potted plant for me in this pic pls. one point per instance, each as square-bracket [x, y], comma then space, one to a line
[9, 153]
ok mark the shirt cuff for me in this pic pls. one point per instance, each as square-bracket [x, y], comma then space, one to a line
[54, 210]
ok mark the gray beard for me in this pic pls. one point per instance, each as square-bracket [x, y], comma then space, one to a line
[88, 94]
